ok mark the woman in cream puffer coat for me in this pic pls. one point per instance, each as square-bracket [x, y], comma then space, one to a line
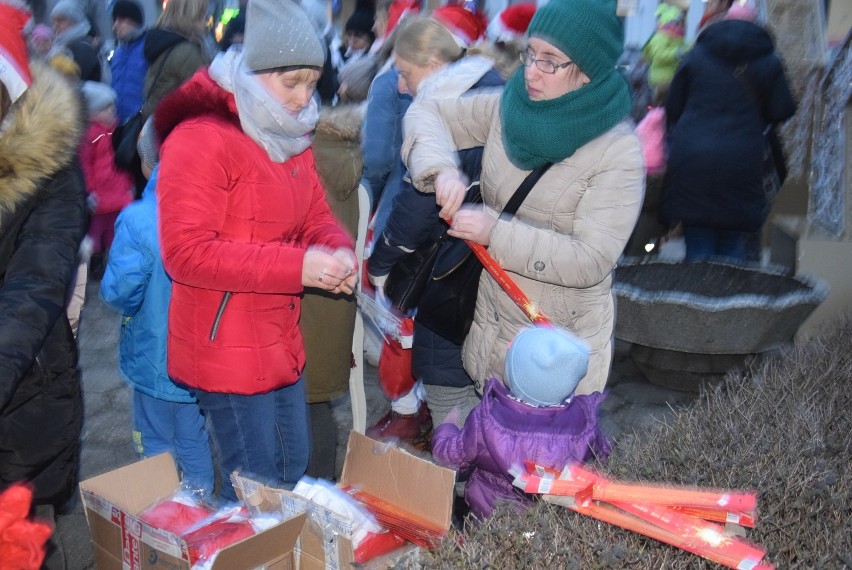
[562, 245]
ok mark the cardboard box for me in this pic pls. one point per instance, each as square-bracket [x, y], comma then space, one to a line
[311, 538]
[383, 470]
[120, 540]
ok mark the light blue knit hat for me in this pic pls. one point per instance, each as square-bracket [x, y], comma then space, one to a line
[545, 364]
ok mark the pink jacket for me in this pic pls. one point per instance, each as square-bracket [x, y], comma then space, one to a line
[111, 186]
[652, 134]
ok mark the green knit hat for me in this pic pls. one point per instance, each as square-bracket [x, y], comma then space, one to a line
[586, 30]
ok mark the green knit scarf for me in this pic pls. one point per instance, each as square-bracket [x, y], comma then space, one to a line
[538, 132]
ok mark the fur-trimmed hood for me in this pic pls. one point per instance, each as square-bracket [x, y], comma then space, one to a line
[40, 137]
[343, 122]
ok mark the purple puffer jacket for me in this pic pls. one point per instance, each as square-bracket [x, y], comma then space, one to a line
[501, 432]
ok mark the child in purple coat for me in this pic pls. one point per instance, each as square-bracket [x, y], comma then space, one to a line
[535, 418]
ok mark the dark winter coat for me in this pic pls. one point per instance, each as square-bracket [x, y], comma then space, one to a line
[328, 321]
[172, 59]
[129, 68]
[714, 176]
[413, 221]
[234, 228]
[86, 58]
[502, 432]
[42, 220]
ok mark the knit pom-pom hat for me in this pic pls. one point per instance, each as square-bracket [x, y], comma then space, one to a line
[587, 31]
[279, 34]
[545, 364]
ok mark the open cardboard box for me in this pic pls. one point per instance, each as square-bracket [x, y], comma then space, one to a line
[312, 538]
[120, 540]
[380, 469]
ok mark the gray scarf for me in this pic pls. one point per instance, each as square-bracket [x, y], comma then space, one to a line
[262, 118]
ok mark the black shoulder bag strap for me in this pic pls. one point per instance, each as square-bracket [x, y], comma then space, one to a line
[523, 191]
[455, 252]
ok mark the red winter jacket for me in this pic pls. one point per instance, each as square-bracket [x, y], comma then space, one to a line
[111, 186]
[234, 227]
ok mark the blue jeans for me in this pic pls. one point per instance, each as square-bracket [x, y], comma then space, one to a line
[703, 244]
[160, 426]
[266, 437]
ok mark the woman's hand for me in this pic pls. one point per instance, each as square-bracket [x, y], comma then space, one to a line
[472, 223]
[334, 272]
[450, 190]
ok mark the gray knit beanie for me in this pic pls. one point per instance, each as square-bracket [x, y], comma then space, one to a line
[545, 364]
[148, 145]
[279, 34]
[70, 10]
[98, 95]
[587, 31]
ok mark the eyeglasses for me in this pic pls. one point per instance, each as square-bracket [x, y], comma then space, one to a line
[543, 65]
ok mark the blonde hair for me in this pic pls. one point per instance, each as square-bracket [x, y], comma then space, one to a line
[506, 55]
[186, 17]
[420, 39]
[300, 74]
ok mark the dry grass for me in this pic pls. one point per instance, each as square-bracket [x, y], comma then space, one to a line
[783, 427]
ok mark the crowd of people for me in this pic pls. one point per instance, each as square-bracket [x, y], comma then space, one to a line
[228, 244]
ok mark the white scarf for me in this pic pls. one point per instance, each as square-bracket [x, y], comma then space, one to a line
[454, 79]
[262, 118]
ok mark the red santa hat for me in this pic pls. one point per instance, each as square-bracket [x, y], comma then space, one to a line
[511, 24]
[398, 11]
[14, 67]
[467, 28]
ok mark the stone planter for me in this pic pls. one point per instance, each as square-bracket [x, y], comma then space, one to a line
[690, 323]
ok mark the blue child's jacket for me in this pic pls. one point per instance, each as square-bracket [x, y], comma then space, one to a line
[136, 284]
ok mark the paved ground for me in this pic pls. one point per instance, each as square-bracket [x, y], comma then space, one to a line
[633, 402]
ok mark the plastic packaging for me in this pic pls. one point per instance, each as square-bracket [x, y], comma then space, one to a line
[177, 514]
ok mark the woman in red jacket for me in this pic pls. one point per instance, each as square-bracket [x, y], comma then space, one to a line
[245, 228]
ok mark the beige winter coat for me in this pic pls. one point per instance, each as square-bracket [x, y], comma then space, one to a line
[563, 243]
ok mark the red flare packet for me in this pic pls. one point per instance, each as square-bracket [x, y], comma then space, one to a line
[728, 551]
[376, 544]
[175, 515]
[611, 491]
[674, 515]
[407, 525]
[748, 518]
[604, 489]
[209, 539]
